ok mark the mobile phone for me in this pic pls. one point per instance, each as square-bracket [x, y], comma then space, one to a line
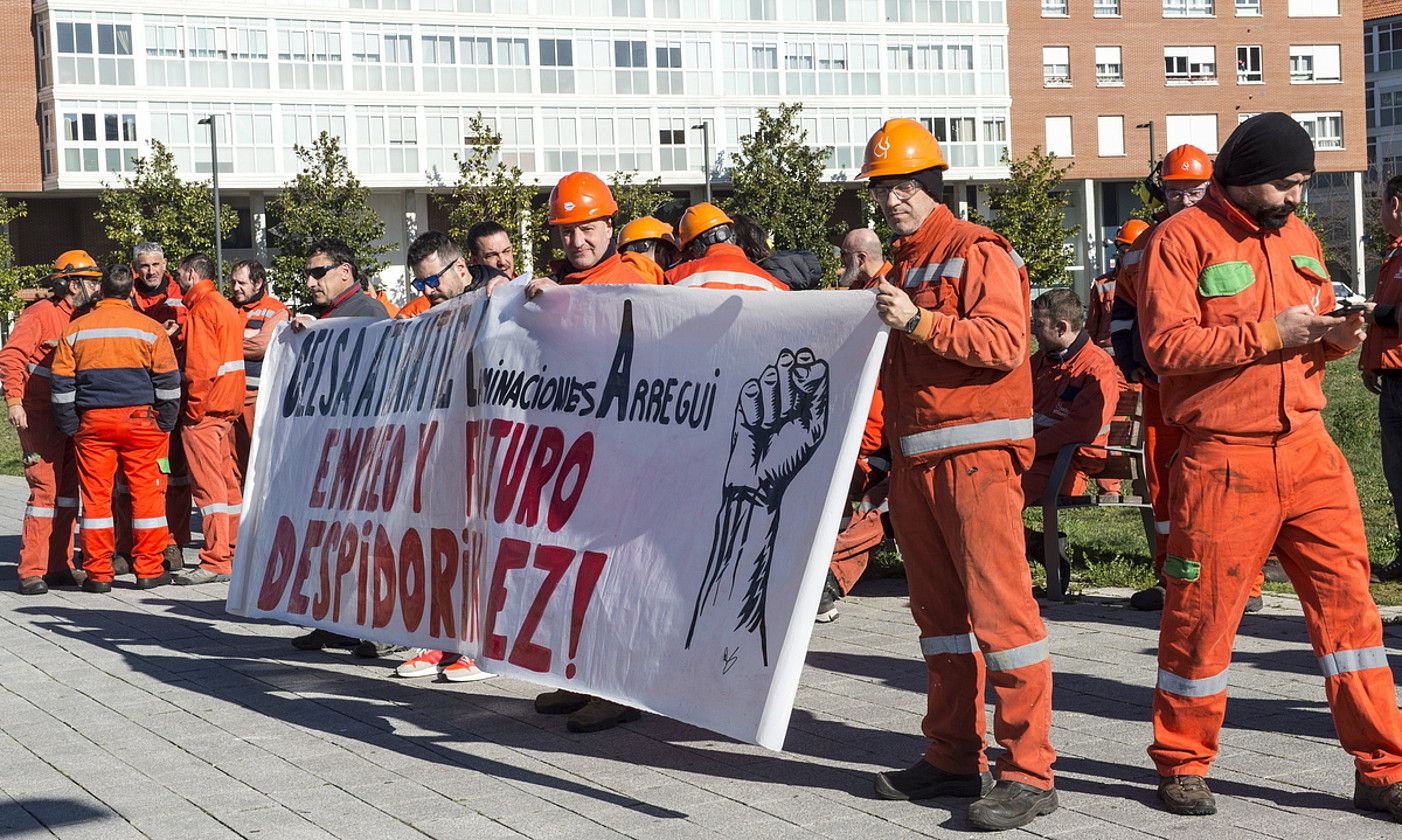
[1346, 309]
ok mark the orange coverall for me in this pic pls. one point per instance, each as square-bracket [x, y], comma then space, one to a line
[724, 266]
[1257, 468]
[614, 269]
[1074, 395]
[46, 543]
[958, 398]
[165, 304]
[417, 306]
[260, 319]
[1102, 299]
[214, 396]
[116, 389]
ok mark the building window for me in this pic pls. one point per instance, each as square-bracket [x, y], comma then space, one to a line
[94, 54]
[1313, 8]
[556, 61]
[1326, 130]
[1190, 65]
[1107, 8]
[748, 9]
[1188, 8]
[1314, 63]
[95, 140]
[1056, 66]
[1112, 136]
[1054, 8]
[630, 63]
[1248, 8]
[1248, 64]
[1198, 129]
[1059, 136]
[1109, 69]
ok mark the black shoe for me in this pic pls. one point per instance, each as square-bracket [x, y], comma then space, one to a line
[173, 558]
[33, 586]
[66, 577]
[827, 605]
[1369, 798]
[318, 639]
[599, 714]
[561, 702]
[374, 650]
[923, 780]
[152, 582]
[1254, 604]
[1148, 600]
[121, 564]
[1187, 796]
[1392, 571]
[1010, 805]
[97, 587]
[1274, 572]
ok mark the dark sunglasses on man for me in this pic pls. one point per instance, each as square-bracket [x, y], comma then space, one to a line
[319, 271]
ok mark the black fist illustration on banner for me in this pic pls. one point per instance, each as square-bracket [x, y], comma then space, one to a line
[780, 419]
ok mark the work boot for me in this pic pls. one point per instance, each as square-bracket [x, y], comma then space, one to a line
[33, 586]
[827, 605]
[1387, 798]
[600, 714]
[923, 780]
[152, 582]
[66, 577]
[561, 702]
[1010, 805]
[1254, 604]
[173, 558]
[97, 587]
[121, 565]
[200, 575]
[374, 650]
[1274, 572]
[1392, 571]
[1148, 600]
[318, 639]
[1187, 796]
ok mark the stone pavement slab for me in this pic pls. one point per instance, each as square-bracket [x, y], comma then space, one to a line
[156, 714]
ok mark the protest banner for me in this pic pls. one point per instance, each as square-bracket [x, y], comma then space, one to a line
[626, 491]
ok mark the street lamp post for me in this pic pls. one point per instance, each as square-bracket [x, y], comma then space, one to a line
[218, 227]
[705, 154]
[1153, 150]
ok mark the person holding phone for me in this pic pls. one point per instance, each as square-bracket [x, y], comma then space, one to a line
[1381, 360]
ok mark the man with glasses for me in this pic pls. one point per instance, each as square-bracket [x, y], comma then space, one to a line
[957, 386]
[333, 279]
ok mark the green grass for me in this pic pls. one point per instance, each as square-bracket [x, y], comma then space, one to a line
[10, 455]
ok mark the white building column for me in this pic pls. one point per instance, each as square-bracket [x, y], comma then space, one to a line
[258, 218]
[1090, 235]
[1360, 280]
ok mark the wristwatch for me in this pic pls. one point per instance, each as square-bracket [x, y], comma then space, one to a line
[913, 322]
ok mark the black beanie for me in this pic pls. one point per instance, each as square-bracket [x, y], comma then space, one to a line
[1265, 148]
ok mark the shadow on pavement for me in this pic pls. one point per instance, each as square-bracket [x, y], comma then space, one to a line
[16, 815]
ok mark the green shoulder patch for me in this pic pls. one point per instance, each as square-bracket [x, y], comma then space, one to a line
[1311, 265]
[1224, 279]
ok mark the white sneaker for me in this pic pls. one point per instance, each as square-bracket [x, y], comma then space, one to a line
[463, 669]
[424, 663]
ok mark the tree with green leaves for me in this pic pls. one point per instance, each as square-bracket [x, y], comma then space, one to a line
[325, 199]
[154, 204]
[11, 276]
[1029, 209]
[778, 181]
[489, 189]
[636, 198]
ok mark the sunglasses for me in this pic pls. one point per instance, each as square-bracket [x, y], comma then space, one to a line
[319, 271]
[432, 280]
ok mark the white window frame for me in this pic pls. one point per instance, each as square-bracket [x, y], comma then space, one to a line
[1109, 68]
[1198, 63]
[1312, 8]
[1106, 8]
[1199, 129]
[1056, 73]
[1315, 64]
[1110, 135]
[1059, 128]
[1318, 125]
[1055, 8]
[1189, 8]
[1243, 76]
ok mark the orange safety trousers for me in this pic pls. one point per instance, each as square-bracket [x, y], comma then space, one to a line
[126, 441]
[243, 434]
[214, 480]
[958, 523]
[46, 545]
[1231, 503]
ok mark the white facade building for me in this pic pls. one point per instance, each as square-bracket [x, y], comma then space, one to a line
[601, 85]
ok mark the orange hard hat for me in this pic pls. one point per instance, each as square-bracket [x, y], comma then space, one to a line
[1185, 163]
[75, 263]
[581, 197]
[1130, 231]
[645, 228]
[901, 147]
[700, 218]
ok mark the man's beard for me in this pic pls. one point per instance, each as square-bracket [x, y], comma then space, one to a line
[850, 275]
[1273, 218]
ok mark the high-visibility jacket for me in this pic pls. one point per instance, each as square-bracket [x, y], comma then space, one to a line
[724, 266]
[417, 306]
[1102, 300]
[962, 381]
[114, 357]
[1127, 348]
[385, 301]
[1074, 394]
[1382, 349]
[26, 359]
[1218, 279]
[165, 304]
[613, 269]
[214, 372]
[260, 319]
[882, 273]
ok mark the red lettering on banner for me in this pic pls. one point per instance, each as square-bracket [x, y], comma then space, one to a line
[345, 561]
[555, 560]
[362, 577]
[318, 497]
[297, 602]
[348, 466]
[322, 602]
[411, 567]
[474, 547]
[577, 460]
[547, 458]
[443, 561]
[511, 554]
[393, 466]
[383, 579]
[513, 469]
[279, 565]
[426, 436]
[590, 568]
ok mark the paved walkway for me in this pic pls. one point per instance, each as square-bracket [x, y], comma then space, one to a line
[156, 714]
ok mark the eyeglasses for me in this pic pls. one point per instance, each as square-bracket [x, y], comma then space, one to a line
[902, 191]
[432, 280]
[1195, 192]
[317, 272]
